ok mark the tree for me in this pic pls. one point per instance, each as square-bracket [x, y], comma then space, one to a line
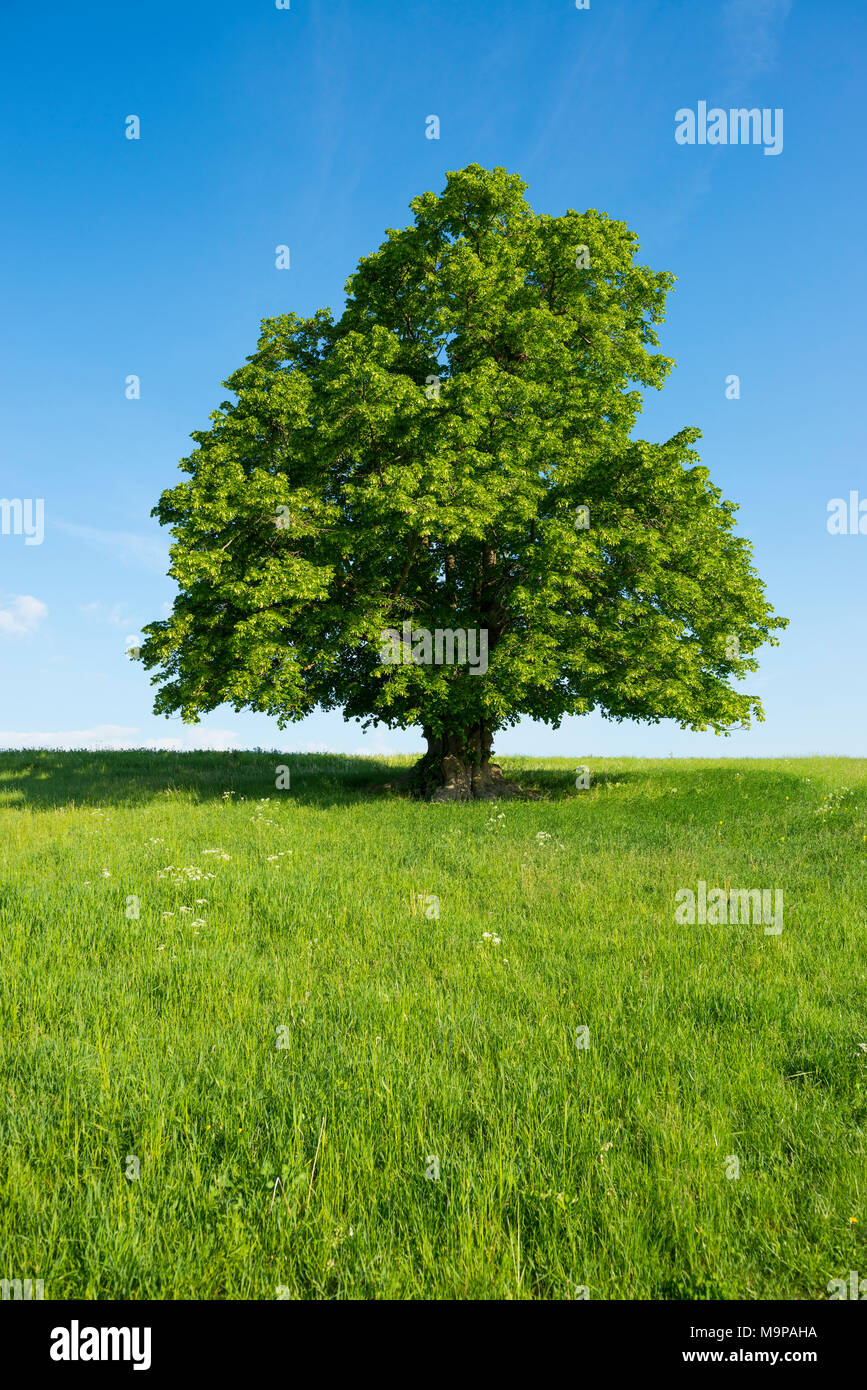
[452, 456]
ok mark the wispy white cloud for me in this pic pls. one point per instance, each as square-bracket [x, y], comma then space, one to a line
[20, 615]
[753, 29]
[103, 736]
[130, 549]
[377, 745]
[205, 740]
[106, 613]
[119, 737]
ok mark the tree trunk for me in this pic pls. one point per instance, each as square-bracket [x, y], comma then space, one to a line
[457, 767]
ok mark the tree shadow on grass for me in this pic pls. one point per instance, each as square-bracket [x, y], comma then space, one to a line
[664, 772]
[49, 779]
[45, 780]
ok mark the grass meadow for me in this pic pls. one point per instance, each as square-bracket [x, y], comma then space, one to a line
[325, 1042]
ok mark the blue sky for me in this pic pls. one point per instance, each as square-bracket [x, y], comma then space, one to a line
[306, 127]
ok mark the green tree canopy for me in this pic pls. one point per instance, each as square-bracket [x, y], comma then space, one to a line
[455, 452]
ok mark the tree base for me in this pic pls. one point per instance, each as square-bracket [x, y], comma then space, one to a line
[463, 783]
[444, 774]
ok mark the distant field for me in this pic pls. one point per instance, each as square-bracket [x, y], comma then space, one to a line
[328, 1091]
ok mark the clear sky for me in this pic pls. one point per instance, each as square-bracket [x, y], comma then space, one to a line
[306, 126]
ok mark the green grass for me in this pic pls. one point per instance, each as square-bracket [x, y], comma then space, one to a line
[414, 1037]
